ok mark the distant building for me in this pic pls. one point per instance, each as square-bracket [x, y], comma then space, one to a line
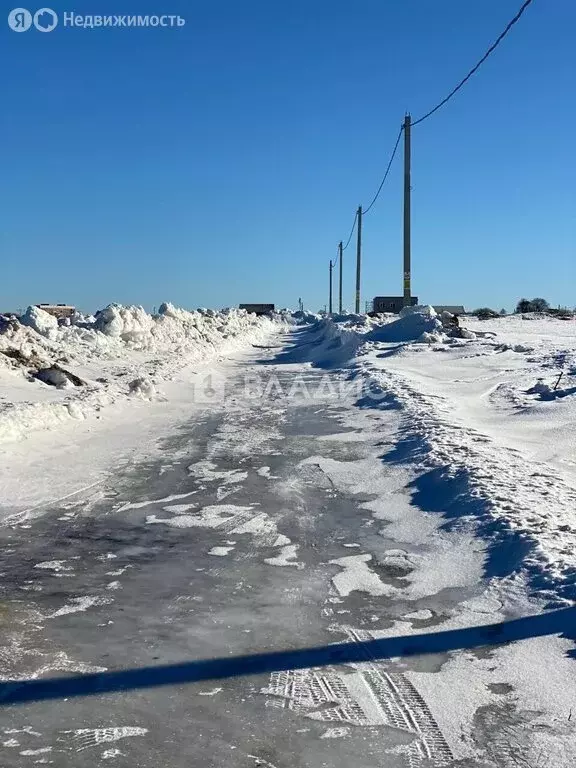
[456, 309]
[258, 309]
[58, 310]
[391, 303]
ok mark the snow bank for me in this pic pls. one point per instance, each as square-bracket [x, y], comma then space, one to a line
[413, 324]
[51, 371]
[488, 427]
[304, 317]
[338, 338]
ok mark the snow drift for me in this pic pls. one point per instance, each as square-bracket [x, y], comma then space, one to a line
[413, 324]
[339, 338]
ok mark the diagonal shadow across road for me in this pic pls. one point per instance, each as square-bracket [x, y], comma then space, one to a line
[561, 622]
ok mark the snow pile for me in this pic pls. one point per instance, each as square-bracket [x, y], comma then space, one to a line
[338, 338]
[420, 324]
[51, 371]
[40, 321]
[131, 324]
[169, 310]
[142, 388]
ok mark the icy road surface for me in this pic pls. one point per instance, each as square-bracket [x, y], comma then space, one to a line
[271, 523]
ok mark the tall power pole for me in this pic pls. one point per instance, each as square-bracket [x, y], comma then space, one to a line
[407, 212]
[330, 292]
[358, 260]
[340, 256]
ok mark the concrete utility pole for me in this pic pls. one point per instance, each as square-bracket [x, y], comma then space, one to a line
[407, 201]
[340, 256]
[330, 293]
[358, 260]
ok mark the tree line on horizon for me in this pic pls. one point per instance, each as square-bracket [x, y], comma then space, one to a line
[525, 306]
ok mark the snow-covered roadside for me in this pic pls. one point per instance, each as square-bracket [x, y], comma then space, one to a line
[492, 443]
[121, 355]
[78, 462]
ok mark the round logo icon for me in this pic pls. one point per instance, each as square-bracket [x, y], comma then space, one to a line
[20, 20]
[45, 20]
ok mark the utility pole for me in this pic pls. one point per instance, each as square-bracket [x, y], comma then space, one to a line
[358, 259]
[330, 293]
[340, 256]
[407, 201]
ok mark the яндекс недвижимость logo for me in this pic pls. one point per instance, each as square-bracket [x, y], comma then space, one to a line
[46, 20]
[21, 19]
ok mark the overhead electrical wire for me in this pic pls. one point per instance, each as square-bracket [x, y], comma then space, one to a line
[452, 93]
[335, 262]
[351, 232]
[377, 195]
[478, 65]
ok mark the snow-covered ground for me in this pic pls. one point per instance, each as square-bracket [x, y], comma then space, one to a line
[420, 479]
[120, 355]
[489, 424]
[488, 413]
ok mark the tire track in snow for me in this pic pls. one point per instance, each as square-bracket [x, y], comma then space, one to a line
[370, 696]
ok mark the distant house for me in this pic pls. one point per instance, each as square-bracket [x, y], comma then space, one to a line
[391, 303]
[258, 309]
[454, 309]
[58, 310]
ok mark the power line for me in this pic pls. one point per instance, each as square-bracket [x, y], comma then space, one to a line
[351, 232]
[335, 262]
[478, 65]
[385, 175]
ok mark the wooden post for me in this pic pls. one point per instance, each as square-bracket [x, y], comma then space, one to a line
[340, 256]
[358, 260]
[407, 214]
[330, 293]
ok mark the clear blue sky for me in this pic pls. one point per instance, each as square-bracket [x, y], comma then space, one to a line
[223, 161]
